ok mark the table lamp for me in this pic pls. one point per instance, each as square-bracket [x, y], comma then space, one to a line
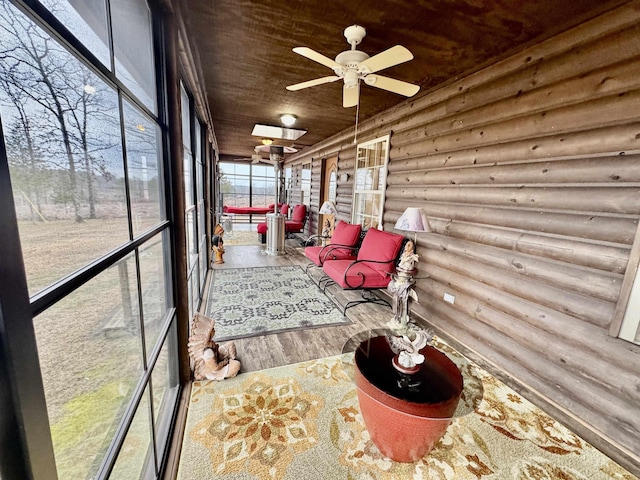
[328, 208]
[413, 220]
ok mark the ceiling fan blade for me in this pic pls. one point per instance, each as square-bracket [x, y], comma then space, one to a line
[388, 58]
[350, 96]
[317, 57]
[391, 84]
[313, 83]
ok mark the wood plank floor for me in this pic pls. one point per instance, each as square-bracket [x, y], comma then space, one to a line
[273, 350]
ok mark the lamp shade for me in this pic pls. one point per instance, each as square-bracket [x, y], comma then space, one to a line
[328, 208]
[413, 220]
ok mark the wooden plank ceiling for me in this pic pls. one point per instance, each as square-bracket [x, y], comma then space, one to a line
[245, 52]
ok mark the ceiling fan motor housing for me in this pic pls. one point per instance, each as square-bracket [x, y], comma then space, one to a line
[350, 59]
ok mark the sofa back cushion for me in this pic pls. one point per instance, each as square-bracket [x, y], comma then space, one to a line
[380, 246]
[346, 234]
[299, 212]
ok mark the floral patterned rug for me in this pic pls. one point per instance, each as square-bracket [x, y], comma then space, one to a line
[303, 422]
[254, 301]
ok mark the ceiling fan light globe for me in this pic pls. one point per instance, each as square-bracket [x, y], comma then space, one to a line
[351, 78]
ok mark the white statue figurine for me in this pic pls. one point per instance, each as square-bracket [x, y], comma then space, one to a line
[400, 287]
[211, 361]
[408, 351]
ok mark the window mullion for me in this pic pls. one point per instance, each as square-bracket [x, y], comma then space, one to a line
[25, 435]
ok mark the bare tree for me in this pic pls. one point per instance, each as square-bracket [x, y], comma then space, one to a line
[25, 155]
[34, 67]
[85, 106]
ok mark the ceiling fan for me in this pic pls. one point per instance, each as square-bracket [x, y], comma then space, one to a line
[257, 157]
[254, 158]
[355, 65]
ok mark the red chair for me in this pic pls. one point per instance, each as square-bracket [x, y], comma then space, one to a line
[298, 220]
[372, 269]
[294, 225]
[344, 244]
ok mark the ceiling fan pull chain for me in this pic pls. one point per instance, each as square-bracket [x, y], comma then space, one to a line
[355, 134]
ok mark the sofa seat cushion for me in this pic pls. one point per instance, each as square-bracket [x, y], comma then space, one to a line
[319, 254]
[293, 226]
[289, 226]
[360, 275]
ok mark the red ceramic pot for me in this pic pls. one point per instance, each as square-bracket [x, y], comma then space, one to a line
[405, 424]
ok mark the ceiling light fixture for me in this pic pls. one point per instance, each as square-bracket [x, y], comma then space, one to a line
[267, 141]
[288, 119]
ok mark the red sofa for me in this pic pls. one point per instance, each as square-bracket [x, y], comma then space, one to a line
[294, 225]
[372, 269]
[343, 246]
[249, 210]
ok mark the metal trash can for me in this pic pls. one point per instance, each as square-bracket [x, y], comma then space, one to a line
[275, 234]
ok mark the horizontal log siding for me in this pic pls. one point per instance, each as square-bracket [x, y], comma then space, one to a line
[344, 192]
[529, 171]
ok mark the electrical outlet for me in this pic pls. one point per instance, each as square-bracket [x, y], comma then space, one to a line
[449, 298]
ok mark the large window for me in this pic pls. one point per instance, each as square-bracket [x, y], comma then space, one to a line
[193, 163]
[371, 179]
[85, 190]
[244, 184]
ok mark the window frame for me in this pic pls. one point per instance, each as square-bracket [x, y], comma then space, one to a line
[24, 417]
[630, 326]
[357, 216]
[305, 183]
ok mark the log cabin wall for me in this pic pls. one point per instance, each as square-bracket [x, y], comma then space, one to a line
[529, 171]
[294, 188]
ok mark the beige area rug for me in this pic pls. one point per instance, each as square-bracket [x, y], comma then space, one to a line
[241, 237]
[303, 422]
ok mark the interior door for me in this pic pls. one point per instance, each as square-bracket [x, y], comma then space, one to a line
[329, 190]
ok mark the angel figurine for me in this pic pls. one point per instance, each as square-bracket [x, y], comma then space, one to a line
[400, 287]
[211, 361]
[409, 257]
[217, 245]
